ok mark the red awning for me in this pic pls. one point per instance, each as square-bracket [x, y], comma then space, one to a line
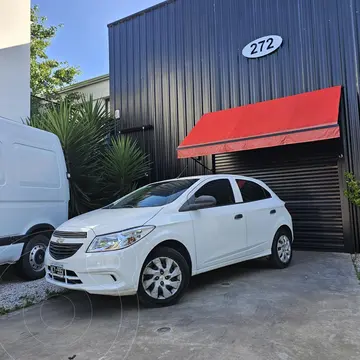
[295, 119]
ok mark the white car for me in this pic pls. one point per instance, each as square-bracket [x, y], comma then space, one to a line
[151, 241]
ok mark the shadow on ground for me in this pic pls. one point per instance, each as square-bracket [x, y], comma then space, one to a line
[8, 274]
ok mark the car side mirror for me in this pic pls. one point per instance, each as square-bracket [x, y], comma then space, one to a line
[202, 202]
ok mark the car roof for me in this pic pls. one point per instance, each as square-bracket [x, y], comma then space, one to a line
[217, 176]
[214, 176]
[222, 176]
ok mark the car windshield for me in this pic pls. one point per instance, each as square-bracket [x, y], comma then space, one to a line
[158, 194]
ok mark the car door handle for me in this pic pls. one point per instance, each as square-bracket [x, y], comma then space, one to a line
[238, 216]
[272, 212]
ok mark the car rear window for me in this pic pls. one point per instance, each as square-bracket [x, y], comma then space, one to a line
[251, 191]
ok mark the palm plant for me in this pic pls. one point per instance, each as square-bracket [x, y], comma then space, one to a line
[99, 172]
[124, 164]
[83, 130]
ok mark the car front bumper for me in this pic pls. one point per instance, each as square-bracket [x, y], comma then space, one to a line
[113, 273]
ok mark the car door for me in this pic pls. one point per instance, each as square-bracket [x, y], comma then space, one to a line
[220, 231]
[260, 214]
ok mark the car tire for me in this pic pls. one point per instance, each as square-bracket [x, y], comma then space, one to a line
[164, 278]
[281, 251]
[31, 264]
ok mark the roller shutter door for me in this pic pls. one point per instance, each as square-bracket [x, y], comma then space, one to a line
[306, 177]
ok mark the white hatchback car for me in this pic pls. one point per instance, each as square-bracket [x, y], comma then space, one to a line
[151, 241]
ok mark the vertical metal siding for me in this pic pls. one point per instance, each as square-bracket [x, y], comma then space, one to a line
[170, 65]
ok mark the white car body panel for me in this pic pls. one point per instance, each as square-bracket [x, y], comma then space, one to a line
[105, 221]
[213, 247]
[212, 237]
[214, 244]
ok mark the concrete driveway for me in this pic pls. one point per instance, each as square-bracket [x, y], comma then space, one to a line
[248, 311]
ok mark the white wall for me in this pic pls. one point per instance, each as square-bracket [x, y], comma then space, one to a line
[15, 59]
[99, 90]
[98, 87]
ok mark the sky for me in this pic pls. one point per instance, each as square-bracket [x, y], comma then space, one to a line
[83, 41]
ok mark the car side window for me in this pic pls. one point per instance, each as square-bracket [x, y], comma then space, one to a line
[251, 191]
[220, 189]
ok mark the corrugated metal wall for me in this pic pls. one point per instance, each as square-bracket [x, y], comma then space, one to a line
[170, 65]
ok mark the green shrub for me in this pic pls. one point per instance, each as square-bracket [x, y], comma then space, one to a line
[124, 165]
[353, 189]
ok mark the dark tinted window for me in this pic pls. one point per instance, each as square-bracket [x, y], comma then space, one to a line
[251, 191]
[221, 190]
[158, 194]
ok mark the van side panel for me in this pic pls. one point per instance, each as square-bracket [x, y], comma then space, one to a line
[10, 253]
[2, 165]
[33, 182]
[28, 172]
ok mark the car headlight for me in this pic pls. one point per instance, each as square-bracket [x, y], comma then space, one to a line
[119, 240]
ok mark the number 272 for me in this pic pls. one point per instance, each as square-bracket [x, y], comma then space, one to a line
[268, 46]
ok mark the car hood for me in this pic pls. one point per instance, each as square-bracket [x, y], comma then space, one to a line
[105, 221]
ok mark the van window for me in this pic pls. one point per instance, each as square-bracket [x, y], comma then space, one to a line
[36, 167]
[2, 165]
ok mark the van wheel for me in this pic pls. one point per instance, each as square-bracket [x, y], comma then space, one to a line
[31, 265]
[164, 278]
[281, 251]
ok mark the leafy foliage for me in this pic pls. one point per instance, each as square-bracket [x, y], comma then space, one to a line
[99, 172]
[47, 75]
[353, 189]
[82, 131]
[124, 165]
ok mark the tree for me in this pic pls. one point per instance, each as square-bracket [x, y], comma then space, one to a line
[47, 76]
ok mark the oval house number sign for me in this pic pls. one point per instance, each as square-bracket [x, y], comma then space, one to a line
[262, 46]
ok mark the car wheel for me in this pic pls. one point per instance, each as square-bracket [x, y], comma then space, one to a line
[31, 264]
[281, 251]
[164, 278]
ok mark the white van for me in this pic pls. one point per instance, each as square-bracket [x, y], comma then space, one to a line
[34, 195]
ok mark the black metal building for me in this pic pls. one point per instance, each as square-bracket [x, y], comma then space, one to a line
[174, 62]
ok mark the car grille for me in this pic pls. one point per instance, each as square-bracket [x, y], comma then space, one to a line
[70, 234]
[70, 277]
[63, 251]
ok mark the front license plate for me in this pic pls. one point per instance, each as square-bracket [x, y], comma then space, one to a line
[57, 270]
